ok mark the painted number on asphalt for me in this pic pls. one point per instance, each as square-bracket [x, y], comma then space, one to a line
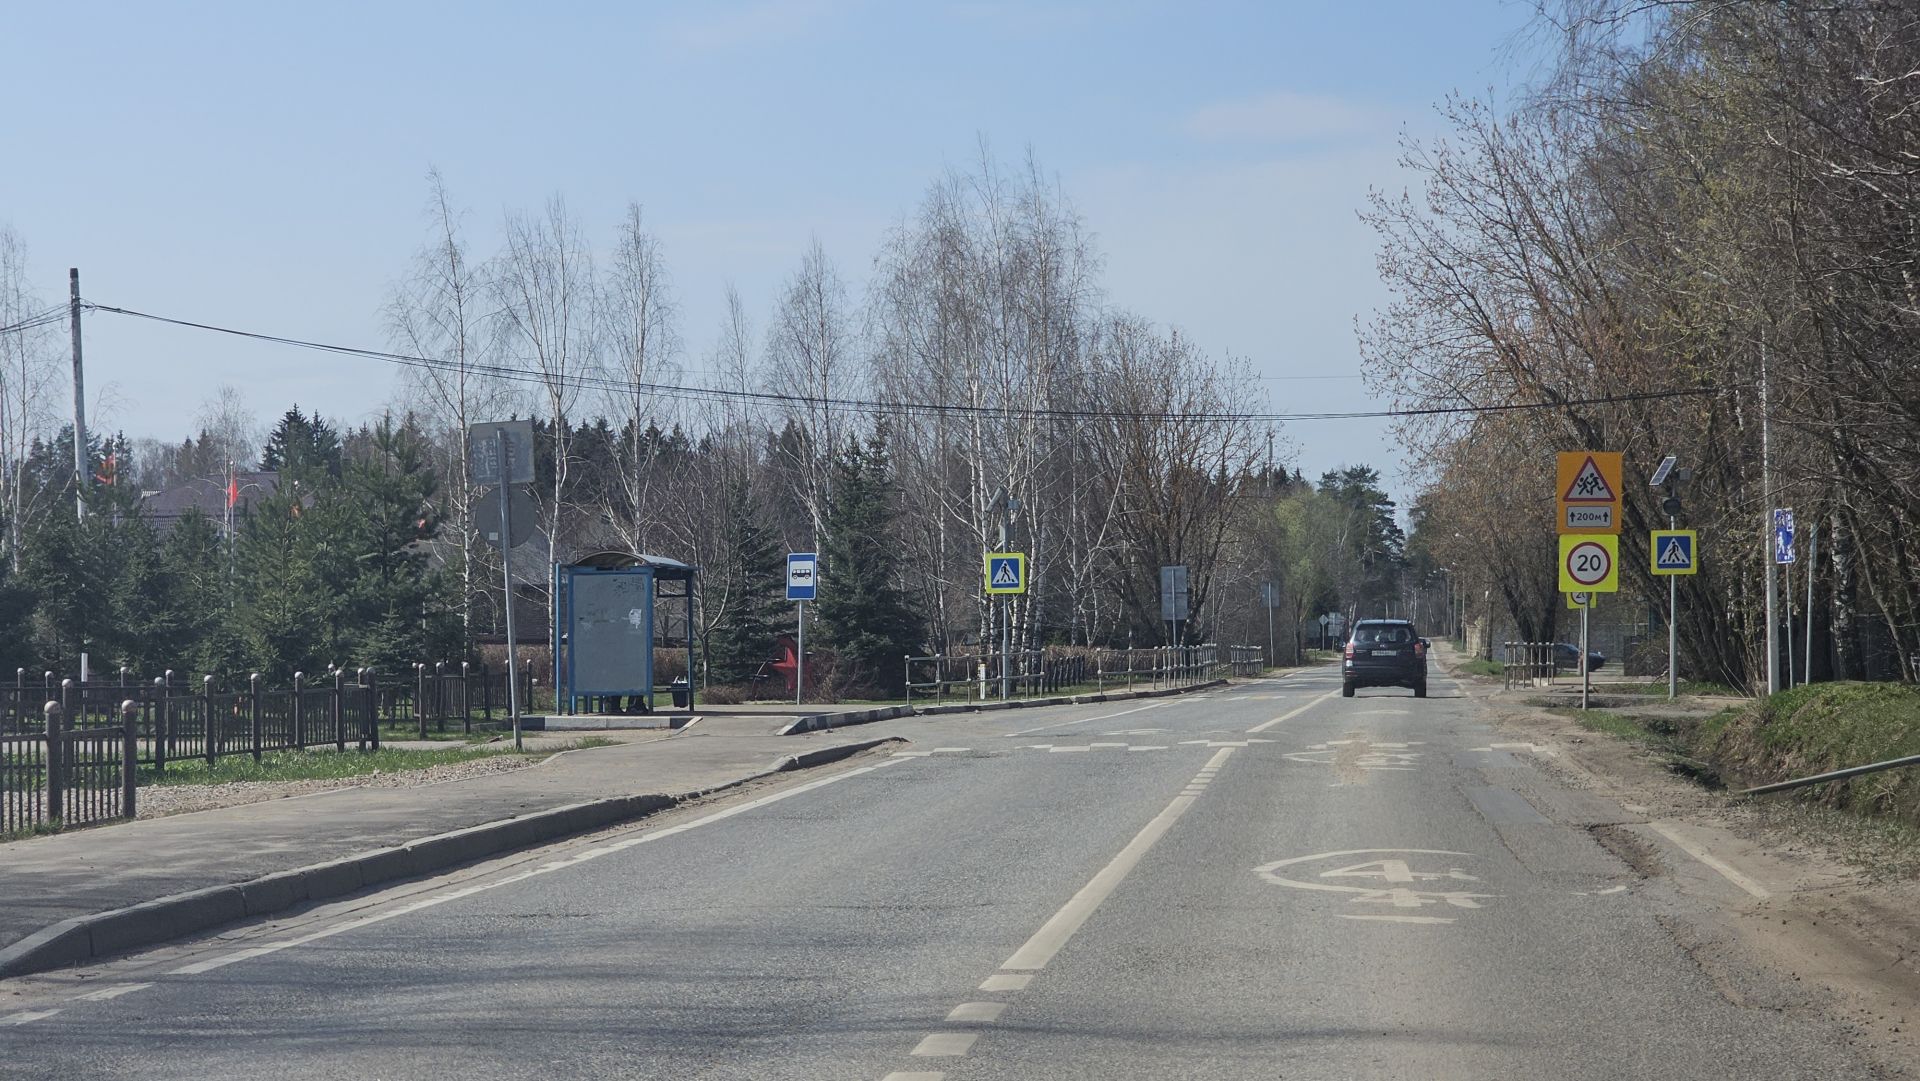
[1408, 880]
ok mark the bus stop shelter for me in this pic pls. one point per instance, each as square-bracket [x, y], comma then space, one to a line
[605, 613]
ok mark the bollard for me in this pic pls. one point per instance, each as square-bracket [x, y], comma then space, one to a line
[129, 755]
[56, 771]
[420, 697]
[440, 696]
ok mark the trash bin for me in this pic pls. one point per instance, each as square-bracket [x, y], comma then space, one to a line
[681, 693]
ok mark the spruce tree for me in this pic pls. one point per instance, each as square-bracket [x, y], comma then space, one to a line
[747, 583]
[863, 614]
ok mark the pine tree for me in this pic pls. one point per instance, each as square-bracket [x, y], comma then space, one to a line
[746, 582]
[397, 610]
[863, 614]
[305, 449]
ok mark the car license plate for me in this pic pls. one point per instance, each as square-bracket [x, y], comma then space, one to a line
[1386, 653]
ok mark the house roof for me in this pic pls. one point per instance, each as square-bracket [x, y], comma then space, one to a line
[208, 495]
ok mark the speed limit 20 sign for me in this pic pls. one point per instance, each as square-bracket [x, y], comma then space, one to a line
[1589, 563]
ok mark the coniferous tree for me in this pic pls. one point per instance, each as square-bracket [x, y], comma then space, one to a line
[863, 614]
[747, 582]
[305, 449]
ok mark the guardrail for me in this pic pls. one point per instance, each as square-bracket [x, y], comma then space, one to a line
[976, 677]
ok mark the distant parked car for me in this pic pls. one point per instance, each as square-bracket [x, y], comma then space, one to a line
[1566, 657]
[1384, 653]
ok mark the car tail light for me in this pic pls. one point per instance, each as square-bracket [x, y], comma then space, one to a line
[1419, 648]
[1349, 650]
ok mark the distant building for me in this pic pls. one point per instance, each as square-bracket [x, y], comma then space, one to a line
[166, 507]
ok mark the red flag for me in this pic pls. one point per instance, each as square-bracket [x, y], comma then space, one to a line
[233, 488]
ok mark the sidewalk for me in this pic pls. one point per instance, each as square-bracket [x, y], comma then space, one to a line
[54, 889]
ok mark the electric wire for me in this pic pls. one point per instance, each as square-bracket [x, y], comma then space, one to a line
[600, 381]
[38, 319]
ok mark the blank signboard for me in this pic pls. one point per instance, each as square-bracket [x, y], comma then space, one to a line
[610, 631]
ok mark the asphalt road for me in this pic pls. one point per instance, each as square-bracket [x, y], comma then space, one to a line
[1266, 882]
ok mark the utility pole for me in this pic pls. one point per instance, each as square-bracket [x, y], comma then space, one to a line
[1766, 524]
[81, 474]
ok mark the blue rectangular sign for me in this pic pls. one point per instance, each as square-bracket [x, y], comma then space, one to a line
[803, 575]
[1783, 536]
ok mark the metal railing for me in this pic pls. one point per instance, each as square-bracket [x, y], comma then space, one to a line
[67, 776]
[976, 677]
[1528, 664]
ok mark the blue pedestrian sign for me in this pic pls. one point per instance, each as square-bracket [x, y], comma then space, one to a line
[1676, 551]
[802, 575]
[1006, 572]
[1783, 536]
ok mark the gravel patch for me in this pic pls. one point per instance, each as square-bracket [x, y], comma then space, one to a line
[156, 801]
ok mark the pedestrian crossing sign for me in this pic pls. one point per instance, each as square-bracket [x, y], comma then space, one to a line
[1006, 572]
[1676, 551]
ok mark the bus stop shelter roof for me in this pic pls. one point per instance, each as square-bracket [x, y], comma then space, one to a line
[664, 569]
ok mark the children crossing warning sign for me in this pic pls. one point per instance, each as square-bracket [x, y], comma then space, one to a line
[1675, 551]
[1589, 490]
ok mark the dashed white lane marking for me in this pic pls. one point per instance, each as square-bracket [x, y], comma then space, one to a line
[1047, 941]
[946, 1044]
[1097, 746]
[1067, 750]
[912, 754]
[572, 860]
[951, 750]
[985, 1013]
[1290, 714]
[1006, 981]
[27, 1016]
[106, 993]
[1694, 849]
[914, 1075]
[1398, 919]
[1148, 747]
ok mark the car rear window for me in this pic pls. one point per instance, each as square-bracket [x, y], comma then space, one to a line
[1382, 636]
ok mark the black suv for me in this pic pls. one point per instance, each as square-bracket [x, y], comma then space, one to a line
[1385, 653]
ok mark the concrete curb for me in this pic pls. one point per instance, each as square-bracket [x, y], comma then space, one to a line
[121, 930]
[826, 722]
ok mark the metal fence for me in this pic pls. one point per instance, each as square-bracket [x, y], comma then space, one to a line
[1528, 664]
[979, 677]
[66, 776]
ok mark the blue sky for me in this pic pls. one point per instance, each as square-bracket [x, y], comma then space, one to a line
[261, 165]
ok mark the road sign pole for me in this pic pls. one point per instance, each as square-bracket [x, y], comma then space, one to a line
[1813, 550]
[1586, 673]
[1787, 588]
[800, 652]
[506, 582]
[1006, 650]
[1673, 620]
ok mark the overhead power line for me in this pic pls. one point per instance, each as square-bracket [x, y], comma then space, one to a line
[605, 382]
[39, 319]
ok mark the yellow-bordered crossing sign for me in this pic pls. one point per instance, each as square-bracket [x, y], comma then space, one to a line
[1006, 572]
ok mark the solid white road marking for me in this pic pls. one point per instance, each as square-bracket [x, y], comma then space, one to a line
[914, 1075]
[1290, 714]
[106, 993]
[1047, 941]
[1695, 850]
[951, 750]
[1400, 919]
[26, 1016]
[1090, 720]
[985, 1013]
[573, 860]
[912, 754]
[1007, 981]
[946, 1044]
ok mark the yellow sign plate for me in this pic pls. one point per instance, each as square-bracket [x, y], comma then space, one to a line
[1675, 551]
[1587, 492]
[1006, 572]
[1589, 563]
[1577, 601]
